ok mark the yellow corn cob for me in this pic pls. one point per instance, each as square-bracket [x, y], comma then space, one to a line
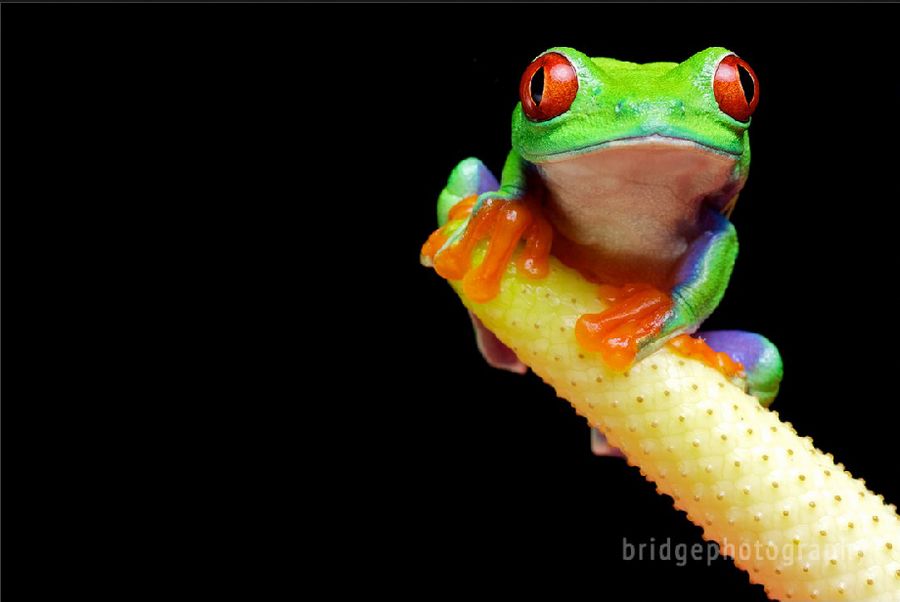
[810, 530]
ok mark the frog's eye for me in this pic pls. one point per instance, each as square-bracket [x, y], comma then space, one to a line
[736, 87]
[548, 87]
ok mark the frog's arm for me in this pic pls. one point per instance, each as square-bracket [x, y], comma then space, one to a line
[513, 177]
[702, 276]
[796, 521]
[700, 284]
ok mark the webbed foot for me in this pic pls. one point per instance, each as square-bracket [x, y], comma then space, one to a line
[504, 224]
[636, 314]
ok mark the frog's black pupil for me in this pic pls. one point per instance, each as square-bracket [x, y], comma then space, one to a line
[537, 86]
[747, 84]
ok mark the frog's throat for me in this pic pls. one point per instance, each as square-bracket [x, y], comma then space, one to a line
[638, 202]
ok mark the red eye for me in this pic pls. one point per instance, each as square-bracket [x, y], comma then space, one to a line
[548, 87]
[736, 88]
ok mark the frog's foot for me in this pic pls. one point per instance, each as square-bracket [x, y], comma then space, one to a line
[636, 314]
[758, 356]
[504, 223]
[721, 359]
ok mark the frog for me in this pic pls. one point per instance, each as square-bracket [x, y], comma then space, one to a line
[628, 173]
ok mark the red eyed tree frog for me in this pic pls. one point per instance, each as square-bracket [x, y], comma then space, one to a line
[627, 173]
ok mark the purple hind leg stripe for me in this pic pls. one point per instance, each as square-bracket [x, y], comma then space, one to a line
[744, 347]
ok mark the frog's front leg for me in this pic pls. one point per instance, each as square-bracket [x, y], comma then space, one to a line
[474, 208]
[641, 318]
[501, 219]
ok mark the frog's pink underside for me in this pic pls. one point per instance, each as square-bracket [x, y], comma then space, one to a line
[636, 204]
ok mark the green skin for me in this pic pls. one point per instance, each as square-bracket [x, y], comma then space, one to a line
[670, 103]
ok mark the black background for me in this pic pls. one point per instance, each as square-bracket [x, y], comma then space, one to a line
[250, 185]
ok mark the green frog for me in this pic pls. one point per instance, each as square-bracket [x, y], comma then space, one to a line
[628, 173]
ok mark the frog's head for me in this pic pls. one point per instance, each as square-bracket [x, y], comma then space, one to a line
[661, 122]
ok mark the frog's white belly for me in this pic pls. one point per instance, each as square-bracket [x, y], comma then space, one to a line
[635, 204]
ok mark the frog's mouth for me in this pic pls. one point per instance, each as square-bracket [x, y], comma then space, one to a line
[638, 201]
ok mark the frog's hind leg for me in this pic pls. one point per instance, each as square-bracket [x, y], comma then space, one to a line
[760, 357]
[469, 177]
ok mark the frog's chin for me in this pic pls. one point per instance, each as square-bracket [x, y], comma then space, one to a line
[639, 200]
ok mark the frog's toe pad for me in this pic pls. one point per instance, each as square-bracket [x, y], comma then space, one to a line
[494, 351]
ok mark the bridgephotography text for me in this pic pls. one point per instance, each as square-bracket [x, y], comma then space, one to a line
[681, 553]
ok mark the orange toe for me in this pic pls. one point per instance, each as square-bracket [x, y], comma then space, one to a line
[696, 348]
[504, 223]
